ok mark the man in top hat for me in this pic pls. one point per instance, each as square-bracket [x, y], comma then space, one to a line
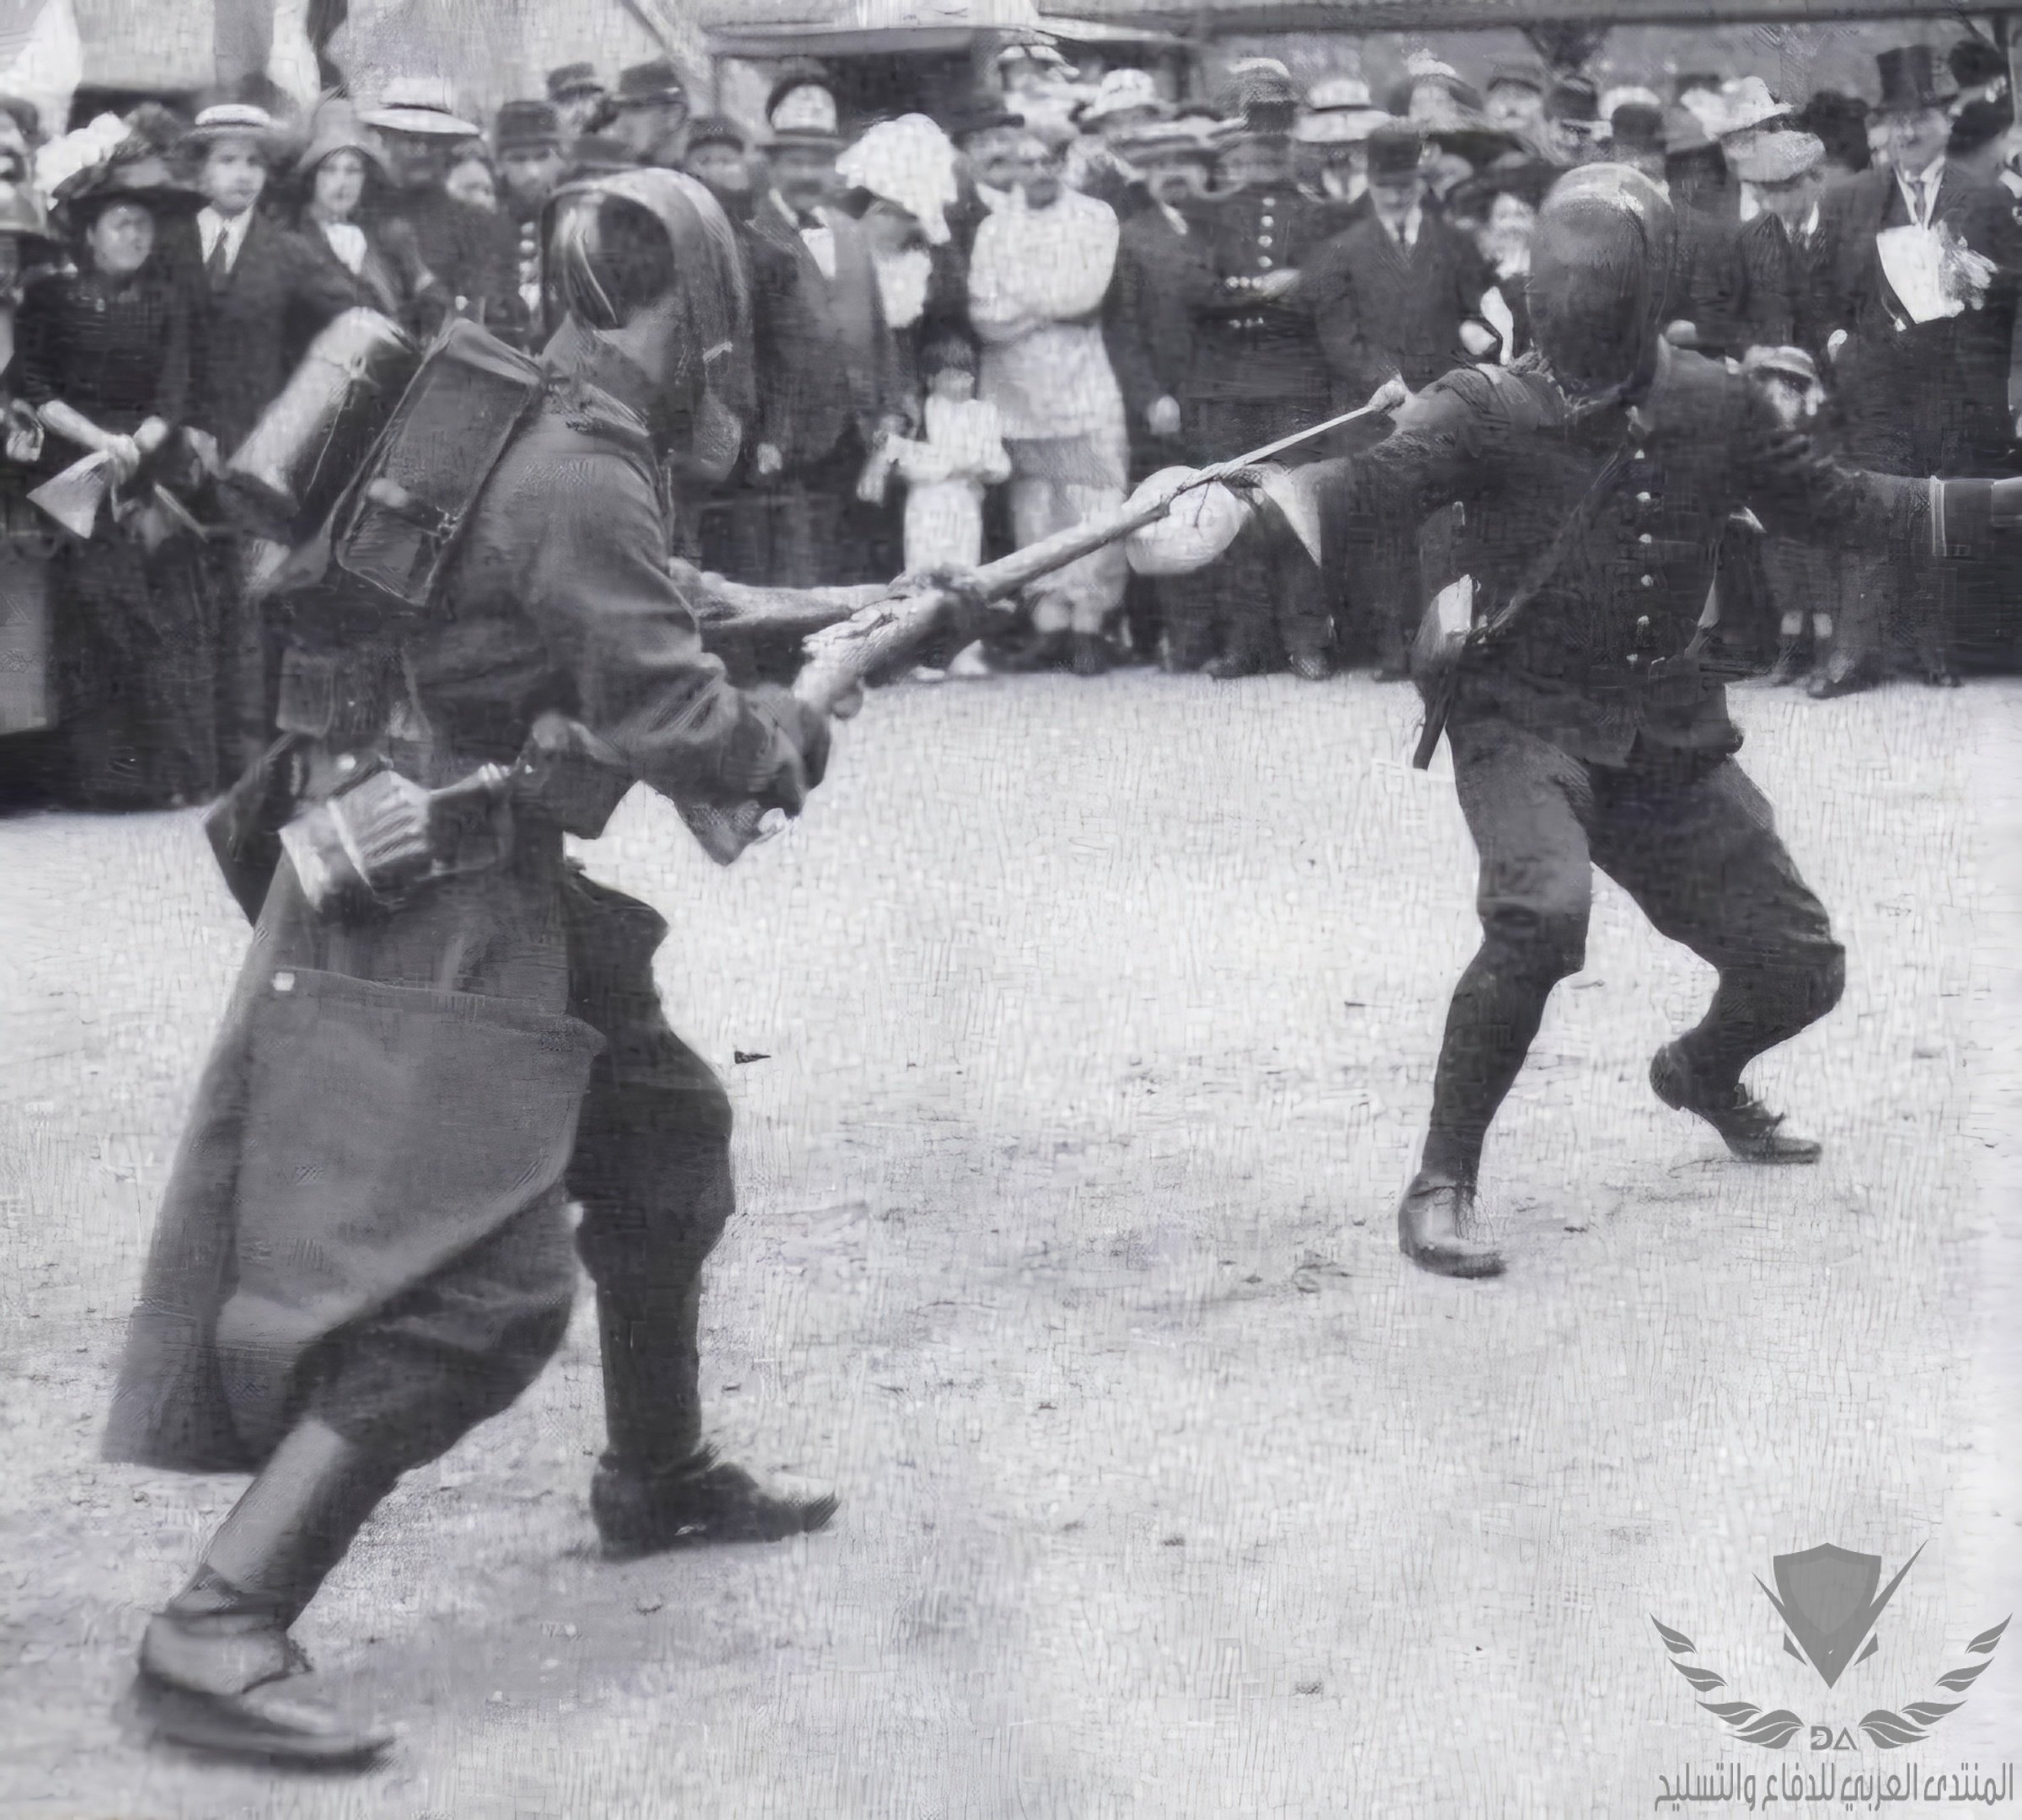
[579, 100]
[1397, 295]
[830, 382]
[652, 104]
[1332, 134]
[1930, 397]
[474, 253]
[1257, 374]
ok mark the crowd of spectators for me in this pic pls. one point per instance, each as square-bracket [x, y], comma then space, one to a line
[973, 330]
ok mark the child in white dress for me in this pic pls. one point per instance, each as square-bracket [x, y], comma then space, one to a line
[959, 452]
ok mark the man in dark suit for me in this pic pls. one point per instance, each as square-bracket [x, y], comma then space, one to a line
[830, 389]
[1587, 726]
[1934, 396]
[263, 297]
[1784, 171]
[1257, 374]
[1398, 294]
[1161, 274]
[474, 253]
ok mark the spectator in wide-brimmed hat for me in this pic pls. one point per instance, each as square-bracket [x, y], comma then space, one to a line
[579, 100]
[1432, 93]
[1333, 137]
[1098, 165]
[105, 354]
[474, 254]
[1040, 87]
[1498, 206]
[338, 184]
[652, 112]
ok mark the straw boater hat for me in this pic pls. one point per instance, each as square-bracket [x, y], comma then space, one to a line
[232, 119]
[1125, 91]
[1339, 111]
[1196, 136]
[1779, 158]
[420, 106]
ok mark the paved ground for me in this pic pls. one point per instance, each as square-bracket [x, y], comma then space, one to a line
[1099, 1020]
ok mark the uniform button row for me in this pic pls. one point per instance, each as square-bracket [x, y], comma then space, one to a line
[1648, 581]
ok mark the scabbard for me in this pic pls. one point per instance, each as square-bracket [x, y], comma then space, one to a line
[1439, 705]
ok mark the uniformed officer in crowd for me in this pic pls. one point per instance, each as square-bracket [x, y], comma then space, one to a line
[364, 1251]
[1588, 719]
[1257, 372]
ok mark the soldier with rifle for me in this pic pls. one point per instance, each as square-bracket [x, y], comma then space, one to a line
[444, 1030]
[1580, 693]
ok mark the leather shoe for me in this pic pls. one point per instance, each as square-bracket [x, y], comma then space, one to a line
[214, 1690]
[703, 1500]
[1746, 1126]
[1942, 677]
[1431, 1229]
[1312, 666]
[1231, 666]
[1824, 687]
[1089, 655]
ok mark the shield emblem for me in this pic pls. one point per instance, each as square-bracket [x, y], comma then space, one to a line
[1827, 1602]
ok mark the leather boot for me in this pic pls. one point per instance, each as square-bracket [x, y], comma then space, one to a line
[1746, 1126]
[1432, 1223]
[210, 1663]
[704, 1499]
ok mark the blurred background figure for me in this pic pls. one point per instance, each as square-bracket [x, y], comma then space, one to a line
[103, 353]
[341, 183]
[581, 103]
[27, 681]
[1038, 279]
[652, 113]
[470, 177]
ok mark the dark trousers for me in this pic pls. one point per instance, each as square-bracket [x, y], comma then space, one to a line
[807, 528]
[1265, 597]
[1690, 839]
[651, 1169]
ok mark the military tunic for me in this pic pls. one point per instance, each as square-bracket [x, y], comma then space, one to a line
[365, 1221]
